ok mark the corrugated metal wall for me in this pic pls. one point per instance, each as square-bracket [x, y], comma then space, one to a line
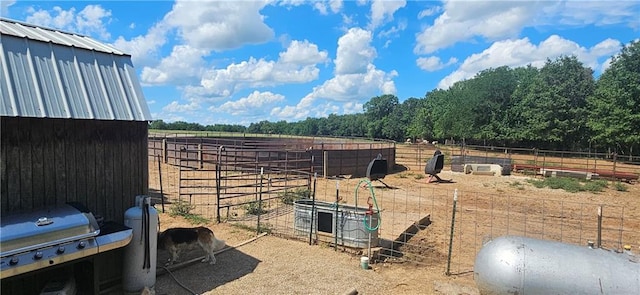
[51, 80]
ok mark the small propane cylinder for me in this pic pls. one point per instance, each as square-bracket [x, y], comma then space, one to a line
[520, 265]
[139, 267]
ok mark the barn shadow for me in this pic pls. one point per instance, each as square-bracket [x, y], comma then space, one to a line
[159, 201]
[203, 277]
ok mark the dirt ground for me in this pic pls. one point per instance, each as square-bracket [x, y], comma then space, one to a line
[276, 265]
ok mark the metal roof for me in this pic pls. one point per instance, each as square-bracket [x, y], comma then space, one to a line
[48, 73]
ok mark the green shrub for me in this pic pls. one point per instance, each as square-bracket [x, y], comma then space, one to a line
[289, 197]
[619, 186]
[570, 184]
[537, 183]
[255, 208]
[181, 208]
[595, 185]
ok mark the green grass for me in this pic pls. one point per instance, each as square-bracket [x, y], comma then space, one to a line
[402, 175]
[196, 219]
[263, 228]
[183, 209]
[518, 185]
[570, 184]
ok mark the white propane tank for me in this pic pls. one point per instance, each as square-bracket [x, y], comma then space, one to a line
[139, 266]
[521, 265]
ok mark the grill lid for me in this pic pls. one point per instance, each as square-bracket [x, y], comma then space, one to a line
[37, 229]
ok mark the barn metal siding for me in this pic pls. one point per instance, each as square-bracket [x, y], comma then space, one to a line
[52, 74]
[33, 32]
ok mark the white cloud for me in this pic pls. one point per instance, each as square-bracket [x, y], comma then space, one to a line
[395, 30]
[144, 49]
[606, 64]
[521, 52]
[321, 7]
[356, 79]
[220, 25]
[182, 66]
[252, 104]
[175, 107]
[433, 63]
[429, 12]
[256, 73]
[303, 53]
[289, 113]
[357, 85]
[90, 20]
[296, 65]
[57, 18]
[291, 2]
[334, 5]
[352, 107]
[354, 52]
[600, 13]
[4, 6]
[382, 11]
[347, 21]
[463, 21]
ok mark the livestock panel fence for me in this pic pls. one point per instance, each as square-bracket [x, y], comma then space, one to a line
[257, 188]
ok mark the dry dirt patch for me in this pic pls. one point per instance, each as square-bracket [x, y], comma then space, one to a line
[280, 266]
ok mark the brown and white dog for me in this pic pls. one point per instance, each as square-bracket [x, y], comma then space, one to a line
[177, 239]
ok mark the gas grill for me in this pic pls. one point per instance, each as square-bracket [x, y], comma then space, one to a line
[51, 236]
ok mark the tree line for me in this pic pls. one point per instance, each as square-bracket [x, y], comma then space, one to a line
[559, 106]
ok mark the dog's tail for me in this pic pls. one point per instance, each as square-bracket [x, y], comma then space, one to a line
[208, 234]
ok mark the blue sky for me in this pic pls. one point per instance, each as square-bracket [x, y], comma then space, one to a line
[238, 62]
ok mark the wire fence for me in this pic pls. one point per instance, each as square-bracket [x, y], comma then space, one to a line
[414, 222]
[531, 161]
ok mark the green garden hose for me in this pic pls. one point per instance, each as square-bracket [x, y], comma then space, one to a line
[373, 196]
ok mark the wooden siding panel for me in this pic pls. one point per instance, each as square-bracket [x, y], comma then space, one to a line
[26, 165]
[48, 162]
[100, 203]
[110, 175]
[4, 188]
[37, 149]
[79, 137]
[70, 161]
[118, 148]
[13, 165]
[51, 161]
[59, 156]
[89, 172]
